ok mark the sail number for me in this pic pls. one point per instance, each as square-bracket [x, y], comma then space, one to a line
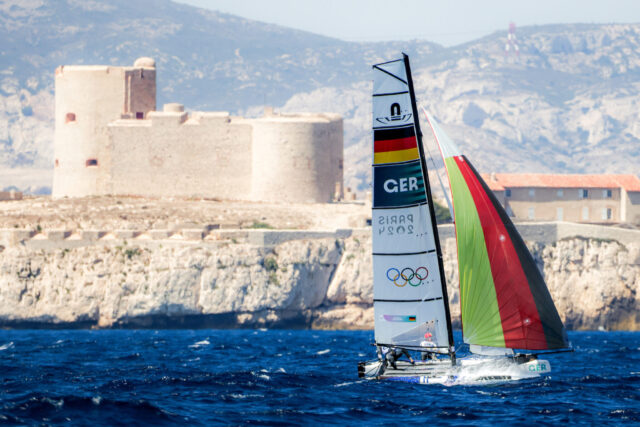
[401, 185]
[395, 224]
[537, 367]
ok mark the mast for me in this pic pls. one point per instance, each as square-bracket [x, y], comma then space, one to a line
[443, 281]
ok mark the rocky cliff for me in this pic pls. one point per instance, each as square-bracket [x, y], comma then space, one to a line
[318, 283]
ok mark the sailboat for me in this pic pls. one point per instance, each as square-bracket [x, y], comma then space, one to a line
[508, 316]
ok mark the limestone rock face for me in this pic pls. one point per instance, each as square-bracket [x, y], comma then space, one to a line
[319, 283]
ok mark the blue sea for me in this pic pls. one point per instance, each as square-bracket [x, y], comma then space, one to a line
[281, 377]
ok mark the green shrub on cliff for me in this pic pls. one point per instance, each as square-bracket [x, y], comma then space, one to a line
[270, 264]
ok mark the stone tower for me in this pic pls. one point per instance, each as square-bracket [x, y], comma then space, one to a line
[297, 158]
[87, 99]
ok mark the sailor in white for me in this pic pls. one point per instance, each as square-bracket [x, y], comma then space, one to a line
[428, 343]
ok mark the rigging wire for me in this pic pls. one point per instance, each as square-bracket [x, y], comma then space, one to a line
[435, 169]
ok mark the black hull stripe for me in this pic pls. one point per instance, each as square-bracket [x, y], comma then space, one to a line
[552, 326]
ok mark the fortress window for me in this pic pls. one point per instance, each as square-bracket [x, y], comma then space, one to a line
[139, 115]
[71, 117]
[91, 162]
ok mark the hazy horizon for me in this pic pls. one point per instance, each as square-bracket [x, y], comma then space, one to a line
[443, 23]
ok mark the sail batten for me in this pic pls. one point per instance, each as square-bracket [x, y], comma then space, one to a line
[504, 299]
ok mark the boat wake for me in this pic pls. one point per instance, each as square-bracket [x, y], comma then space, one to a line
[468, 371]
[493, 371]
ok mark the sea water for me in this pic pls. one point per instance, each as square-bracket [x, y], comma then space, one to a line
[209, 377]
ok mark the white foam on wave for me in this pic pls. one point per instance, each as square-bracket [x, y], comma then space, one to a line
[6, 346]
[503, 370]
[57, 403]
[344, 384]
[321, 352]
[200, 344]
[244, 396]
[96, 400]
[281, 370]
[262, 374]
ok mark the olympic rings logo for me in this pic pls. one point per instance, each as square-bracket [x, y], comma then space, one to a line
[400, 278]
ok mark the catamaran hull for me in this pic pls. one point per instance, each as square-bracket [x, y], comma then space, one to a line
[470, 370]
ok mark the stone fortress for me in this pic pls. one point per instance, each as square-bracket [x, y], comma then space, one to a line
[110, 140]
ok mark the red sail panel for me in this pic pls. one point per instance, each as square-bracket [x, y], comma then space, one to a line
[521, 322]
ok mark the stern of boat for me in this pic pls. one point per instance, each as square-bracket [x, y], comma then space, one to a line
[370, 370]
[535, 367]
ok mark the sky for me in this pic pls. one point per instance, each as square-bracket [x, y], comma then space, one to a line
[448, 22]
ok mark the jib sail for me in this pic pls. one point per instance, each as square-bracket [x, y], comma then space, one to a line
[504, 299]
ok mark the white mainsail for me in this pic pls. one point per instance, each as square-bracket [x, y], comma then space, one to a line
[408, 285]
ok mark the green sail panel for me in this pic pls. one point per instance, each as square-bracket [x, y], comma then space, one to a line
[478, 302]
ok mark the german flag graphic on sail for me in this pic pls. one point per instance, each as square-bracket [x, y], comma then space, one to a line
[395, 145]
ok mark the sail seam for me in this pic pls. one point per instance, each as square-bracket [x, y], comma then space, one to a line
[392, 75]
[393, 163]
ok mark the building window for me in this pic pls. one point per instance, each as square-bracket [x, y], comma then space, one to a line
[532, 213]
[91, 162]
[560, 194]
[606, 213]
[607, 194]
[507, 192]
[585, 213]
[560, 214]
[509, 211]
[583, 193]
[532, 192]
[139, 115]
[70, 117]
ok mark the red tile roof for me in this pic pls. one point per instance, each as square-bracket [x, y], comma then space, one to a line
[500, 181]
